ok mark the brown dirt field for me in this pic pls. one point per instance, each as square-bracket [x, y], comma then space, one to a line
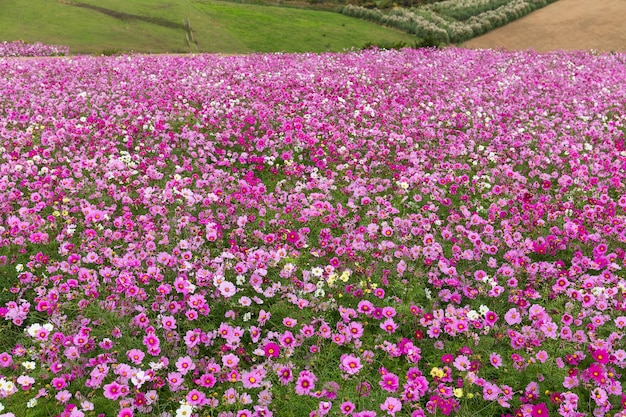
[563, 25]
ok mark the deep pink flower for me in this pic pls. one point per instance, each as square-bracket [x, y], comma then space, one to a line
[58, 383]
[285, 375]
[271, 350]
[601, 356]
[539, 410]
[125, 412]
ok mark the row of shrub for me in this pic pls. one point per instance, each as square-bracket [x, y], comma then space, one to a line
[464, 9]
[438, 21]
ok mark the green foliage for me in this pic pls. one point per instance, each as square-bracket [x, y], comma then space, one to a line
[110, 52]
[385, 45]
[109, 27]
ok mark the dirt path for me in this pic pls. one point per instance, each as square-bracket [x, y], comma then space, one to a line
[563, 25]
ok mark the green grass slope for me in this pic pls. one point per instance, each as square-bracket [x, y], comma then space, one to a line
[154, 26]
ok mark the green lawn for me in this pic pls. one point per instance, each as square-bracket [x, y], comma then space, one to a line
[154, 26]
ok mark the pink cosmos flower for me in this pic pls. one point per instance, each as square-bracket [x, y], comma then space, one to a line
[175, 380]
[168, 322]
[495, 359]
[491, 317]
[305, 383]
[324, 407]
[285, 376]
[389, 326]
[58, 383]
[251, 379]
[195, 397]
[461, 363]
[287, 339]
[135, 356]
[512, 317]
[391, 405]
[63, 396]
[151, 341]
[112, 391]
[542, 356]
[490, 391]
[347, 408]
[230, 360]
[365, 307]
[350, 364]
[227, 289]
[125, 412]
[185, 364]
[389, 382]
[206, 380]
[289, 322]
[5, 360]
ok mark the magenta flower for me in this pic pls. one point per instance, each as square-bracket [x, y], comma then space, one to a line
[287, 339]
[539, 410]
[58, 383]
[285, 376]
[206, 380]
[601, 356]
[125, 412]
[347, 408]
[271, 350]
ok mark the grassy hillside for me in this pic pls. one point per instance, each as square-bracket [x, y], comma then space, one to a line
[94, 26]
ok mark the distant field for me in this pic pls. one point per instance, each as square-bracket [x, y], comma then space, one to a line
[564, 25]
[95, 26]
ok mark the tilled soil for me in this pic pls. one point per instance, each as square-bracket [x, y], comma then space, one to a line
[564, 25]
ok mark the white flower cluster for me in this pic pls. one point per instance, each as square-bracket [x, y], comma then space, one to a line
[185, 409]
[34, 329]
[7, 387]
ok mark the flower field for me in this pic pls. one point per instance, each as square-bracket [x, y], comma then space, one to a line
[381, 233]
[23, 49]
